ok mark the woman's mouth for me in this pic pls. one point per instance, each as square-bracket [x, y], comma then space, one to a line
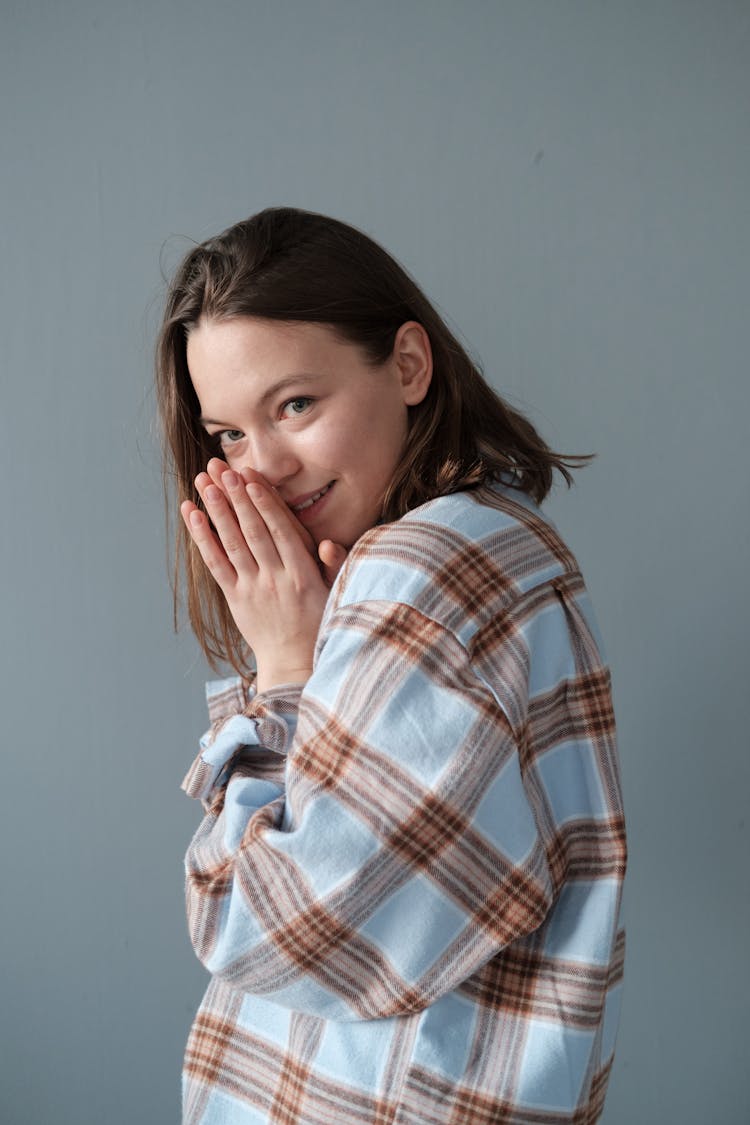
[310, 507]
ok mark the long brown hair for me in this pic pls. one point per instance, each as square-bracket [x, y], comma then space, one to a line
[291, 265]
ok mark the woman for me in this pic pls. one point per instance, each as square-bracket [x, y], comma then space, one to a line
[406, 885]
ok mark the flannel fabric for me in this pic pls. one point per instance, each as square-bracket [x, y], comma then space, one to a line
[407, 882]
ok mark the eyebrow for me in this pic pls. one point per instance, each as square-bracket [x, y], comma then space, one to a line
[271, 392]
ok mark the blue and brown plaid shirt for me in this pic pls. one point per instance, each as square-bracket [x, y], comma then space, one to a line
[407, 882]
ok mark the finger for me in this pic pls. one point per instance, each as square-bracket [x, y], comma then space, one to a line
[251, 523]
[307, 539]
[251, 476]
[214, 472]
[295, 555]
[226, 526]
[208, 545]
[215, 468]
[202, 481]
[333, 556]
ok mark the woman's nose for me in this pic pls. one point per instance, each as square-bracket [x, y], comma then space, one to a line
[272, 458]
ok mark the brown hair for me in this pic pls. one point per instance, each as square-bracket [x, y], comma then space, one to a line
[291, 265]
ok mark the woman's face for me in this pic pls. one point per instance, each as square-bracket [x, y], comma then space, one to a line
[296, 404]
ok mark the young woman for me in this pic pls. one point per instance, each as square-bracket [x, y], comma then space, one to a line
[406, 885]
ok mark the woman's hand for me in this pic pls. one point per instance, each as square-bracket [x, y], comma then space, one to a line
[269, 576]
[331, 556]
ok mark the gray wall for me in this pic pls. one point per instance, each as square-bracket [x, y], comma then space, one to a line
[571, 182]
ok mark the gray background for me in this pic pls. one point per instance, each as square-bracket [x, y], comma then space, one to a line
[570, 181]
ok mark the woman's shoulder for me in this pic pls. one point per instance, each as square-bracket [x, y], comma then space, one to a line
[501, 525]
[461, 557]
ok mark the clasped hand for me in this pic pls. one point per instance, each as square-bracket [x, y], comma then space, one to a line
[265, 562]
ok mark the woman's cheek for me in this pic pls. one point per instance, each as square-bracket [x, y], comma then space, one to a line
[322, 442]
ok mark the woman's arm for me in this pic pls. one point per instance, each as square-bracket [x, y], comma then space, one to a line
[404, 853]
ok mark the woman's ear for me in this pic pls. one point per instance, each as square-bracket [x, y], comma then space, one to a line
[412, 354]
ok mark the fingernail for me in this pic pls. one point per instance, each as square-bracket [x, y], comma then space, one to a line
[213, 494]
[195, 519]
[230, 479]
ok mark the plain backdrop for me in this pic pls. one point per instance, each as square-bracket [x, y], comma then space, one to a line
[570, 182]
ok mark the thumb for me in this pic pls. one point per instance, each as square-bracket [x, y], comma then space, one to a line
[333, 556]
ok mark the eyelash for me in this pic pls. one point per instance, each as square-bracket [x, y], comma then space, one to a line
[298, 398]
[221, 439]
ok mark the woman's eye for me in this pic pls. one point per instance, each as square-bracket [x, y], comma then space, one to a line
[296, 406]
[229, 437]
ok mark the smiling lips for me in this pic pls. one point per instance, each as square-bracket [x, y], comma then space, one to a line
[310, 500]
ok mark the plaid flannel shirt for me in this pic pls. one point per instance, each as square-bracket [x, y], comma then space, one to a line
[407, 882]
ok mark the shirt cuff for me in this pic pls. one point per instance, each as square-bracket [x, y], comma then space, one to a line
[241, 719]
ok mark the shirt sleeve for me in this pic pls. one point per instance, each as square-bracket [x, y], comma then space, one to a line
[402, 853]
